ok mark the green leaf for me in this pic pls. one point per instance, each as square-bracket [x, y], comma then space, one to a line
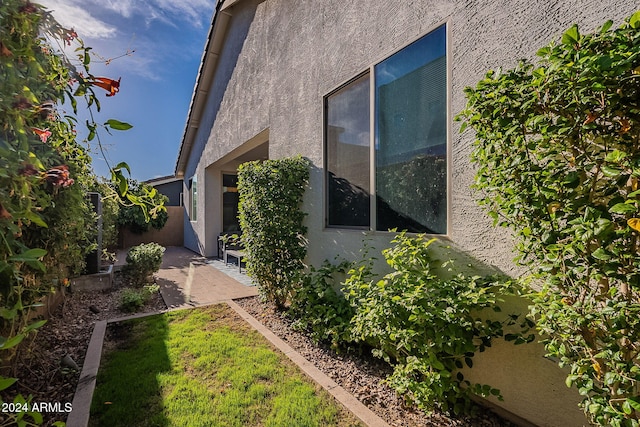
[601, 254]
[571, 37]
[122, 165]
[29, 255]
[117, 125]
[34, 325]
[569, 381]
[595, 408]
[35, 218]
[615, 156]
[8, 314]
[5, 383]
[37, 417]
[610, 171]
[607, 25]
[87, 58]
[634, 402]
[623, 208]
[11, 342]
[634, 20]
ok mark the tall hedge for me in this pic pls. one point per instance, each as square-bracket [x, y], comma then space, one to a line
[558, 151]
[271, 220]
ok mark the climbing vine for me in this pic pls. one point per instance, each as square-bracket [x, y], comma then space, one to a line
[558, 152]
[46, 226]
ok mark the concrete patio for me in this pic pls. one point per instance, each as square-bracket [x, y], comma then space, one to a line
[187, 279]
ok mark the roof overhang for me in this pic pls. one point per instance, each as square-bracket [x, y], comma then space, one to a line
[208, 65]
[162, 180]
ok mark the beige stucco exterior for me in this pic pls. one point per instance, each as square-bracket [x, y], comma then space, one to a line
[268, 66]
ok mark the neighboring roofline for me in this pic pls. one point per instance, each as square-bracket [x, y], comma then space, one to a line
[162, 180]
[208, 64]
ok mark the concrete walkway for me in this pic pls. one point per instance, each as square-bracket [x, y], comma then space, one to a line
[187, 279]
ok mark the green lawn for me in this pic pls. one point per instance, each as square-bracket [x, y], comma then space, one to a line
[205, 367]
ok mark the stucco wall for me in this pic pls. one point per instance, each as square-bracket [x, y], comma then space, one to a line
[172, 234]
[282, 57]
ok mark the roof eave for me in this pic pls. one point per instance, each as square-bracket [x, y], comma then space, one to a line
[204, 79]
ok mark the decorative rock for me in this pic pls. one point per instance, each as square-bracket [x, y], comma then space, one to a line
[68, 362]
[94, 309]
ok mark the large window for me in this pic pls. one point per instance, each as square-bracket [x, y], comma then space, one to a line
[347, 143]
[409, 160]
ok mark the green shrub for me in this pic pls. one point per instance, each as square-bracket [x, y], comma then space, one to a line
[138, 218]
[428, 328]
[133, 299]
[272, 224]
[142, 261]
[320, 310]
[558, 154]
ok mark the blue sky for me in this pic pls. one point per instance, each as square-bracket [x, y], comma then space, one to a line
[167, 37]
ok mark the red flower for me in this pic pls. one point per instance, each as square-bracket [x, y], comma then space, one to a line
[70, 35]
[4, 51]
[4, 214]
[29, 8]
[59, 176]
[47, 110]
[44, 134]
[21, 103]
[110, 85]
[28, 170]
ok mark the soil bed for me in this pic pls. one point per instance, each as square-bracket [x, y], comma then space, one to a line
[361, 375]
[40, 371]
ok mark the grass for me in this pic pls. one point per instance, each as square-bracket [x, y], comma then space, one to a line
[204, 367]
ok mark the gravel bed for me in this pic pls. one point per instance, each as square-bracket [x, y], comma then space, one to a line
[361, 375]
[68, 331]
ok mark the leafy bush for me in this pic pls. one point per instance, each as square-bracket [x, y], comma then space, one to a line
[272, 224]
[142, 261]
[138, 218]
[46, 225]
[428, 328]
[558, 150]
[133, 299]
[319, 309]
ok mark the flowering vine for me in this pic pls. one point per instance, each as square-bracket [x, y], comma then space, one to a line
[46, 225]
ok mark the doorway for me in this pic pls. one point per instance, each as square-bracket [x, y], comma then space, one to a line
[230, 199]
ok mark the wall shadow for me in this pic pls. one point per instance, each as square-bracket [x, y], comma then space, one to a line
[127, 388]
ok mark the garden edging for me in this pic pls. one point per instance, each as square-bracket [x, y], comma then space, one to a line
[79, 416]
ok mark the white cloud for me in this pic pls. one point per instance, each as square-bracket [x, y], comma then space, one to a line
[114, 27]
[192, 10]
[70, 15]
[123, 8]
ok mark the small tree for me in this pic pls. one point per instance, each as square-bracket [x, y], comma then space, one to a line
[272, 223]
[558, 150]
[135, 217]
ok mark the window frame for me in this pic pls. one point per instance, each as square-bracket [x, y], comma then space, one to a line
[370, 70]
[325, 100]
[193, 198]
